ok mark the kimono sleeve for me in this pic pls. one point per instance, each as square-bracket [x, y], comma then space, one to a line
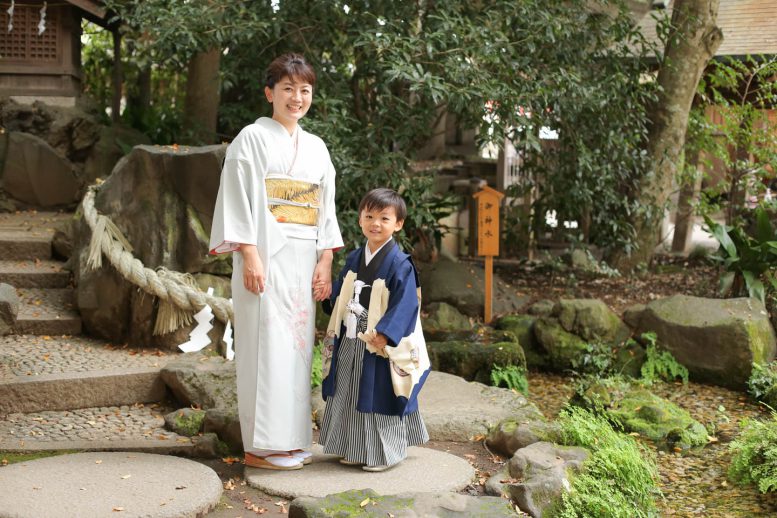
[400, 317]
[233, 220]
[329, 236]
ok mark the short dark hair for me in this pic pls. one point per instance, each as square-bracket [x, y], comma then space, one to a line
[291, 65]
[381, 198]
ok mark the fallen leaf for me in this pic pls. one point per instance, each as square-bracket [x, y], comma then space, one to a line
[126, 477]
[229, 485]
[230, 460]
[364, 502]
[712, 439]
[118, 509]
[180, 487]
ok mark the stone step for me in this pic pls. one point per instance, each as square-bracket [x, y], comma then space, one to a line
[34, 273]
[47, 312]
[19, 246]
[38, 372]
[136, 427]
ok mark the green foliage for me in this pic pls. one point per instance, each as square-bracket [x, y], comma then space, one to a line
[598, 359]
[740, 138]
[762, 384]
[660, 365]
[620, 477]
[748, 256]
[388, 70]
[754, 458]
[510, 376]
[316, 373]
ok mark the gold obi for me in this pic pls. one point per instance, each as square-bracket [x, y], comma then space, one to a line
[293, 201]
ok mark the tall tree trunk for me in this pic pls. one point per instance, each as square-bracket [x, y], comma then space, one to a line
[694, 40]
[117, 77]
[202, 96]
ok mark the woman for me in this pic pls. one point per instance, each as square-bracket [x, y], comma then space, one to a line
[275, 211]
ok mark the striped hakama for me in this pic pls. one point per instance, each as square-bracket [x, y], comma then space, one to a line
[367, 438]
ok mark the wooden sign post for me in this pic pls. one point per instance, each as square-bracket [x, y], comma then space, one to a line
[488, 201]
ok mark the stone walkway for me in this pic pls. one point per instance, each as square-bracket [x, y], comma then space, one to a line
[87, 485]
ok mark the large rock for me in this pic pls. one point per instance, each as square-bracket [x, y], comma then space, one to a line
[454, 409]
[162, 199]
[444, 318]
[9, 308]
[350, 503]
[474, 361]
[463, 286]
[522, 327]
[573, 326]
[541, 473]
[511, 435]
[203, 381]
[36, 175]
[718, 340]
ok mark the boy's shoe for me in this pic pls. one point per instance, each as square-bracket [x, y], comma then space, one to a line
[346, 462]
[278, 461]
[378, 469]
[305, 456]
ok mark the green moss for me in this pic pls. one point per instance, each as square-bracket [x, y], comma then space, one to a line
[474, 361]
[760, 338]
[657, 419]
[348, 503]
[16, 457]
[189, 425]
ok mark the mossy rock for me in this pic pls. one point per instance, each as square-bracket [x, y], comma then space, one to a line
[474, 361]
[629, 359]
[657, 419]
[349, 504]
[561, 346]
[522, 327]
[444, 317]
[591, 320]
[186, 421]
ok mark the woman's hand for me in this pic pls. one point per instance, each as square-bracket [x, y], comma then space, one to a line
[322, 277]
[253, 269]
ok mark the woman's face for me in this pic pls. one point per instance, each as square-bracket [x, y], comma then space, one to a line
[290, 100]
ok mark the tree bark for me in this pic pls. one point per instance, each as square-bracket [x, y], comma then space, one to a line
[694, 40]
[117, 77]
[203, 96]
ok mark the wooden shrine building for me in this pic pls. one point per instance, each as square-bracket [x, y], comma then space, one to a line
[40, 48]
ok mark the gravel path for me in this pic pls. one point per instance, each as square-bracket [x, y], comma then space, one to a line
[693, 483]
[113, 423]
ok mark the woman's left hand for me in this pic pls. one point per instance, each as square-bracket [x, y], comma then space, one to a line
[322, 277]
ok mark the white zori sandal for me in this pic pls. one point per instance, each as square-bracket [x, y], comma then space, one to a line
[280, 461]
[305, 456]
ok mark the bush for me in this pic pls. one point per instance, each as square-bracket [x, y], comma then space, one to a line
[660, 365]
[755, 454]
[316, 373]
[620, 477]
[762, 384]
[510, 376]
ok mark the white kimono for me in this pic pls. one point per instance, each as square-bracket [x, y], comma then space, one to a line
[274, 331]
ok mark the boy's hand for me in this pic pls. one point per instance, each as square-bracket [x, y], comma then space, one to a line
[378, 341]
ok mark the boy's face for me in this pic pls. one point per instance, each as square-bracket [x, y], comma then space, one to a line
[379, 225]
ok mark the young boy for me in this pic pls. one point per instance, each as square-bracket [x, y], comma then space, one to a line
[377, 361]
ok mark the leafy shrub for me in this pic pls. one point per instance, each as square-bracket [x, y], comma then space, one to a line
[598, 359]
[620, 477]
[660, 365]
[316, 374]
[762, 384]
[755, 454]
[748, 258]
[510, 376]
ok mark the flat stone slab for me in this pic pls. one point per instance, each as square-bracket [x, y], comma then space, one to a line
[455, 409]
[48, 312]
[32, 273]
[107, 484]
[424, 470]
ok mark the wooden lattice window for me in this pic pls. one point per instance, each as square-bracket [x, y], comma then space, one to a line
[23, 43]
